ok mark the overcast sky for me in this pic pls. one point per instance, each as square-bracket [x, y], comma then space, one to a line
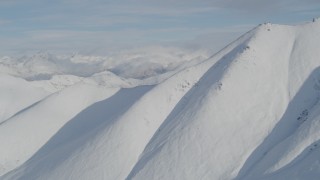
[100, 26]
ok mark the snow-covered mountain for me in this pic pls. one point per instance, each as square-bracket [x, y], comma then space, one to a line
[251, 111]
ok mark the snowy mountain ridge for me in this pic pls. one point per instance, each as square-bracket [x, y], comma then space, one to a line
[251, 111]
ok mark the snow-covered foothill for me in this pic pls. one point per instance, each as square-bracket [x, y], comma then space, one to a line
[17, 94]
[27, 131]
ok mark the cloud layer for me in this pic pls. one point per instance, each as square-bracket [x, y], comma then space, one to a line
[85, 25]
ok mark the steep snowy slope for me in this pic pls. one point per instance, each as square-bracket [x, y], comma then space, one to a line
[240, 125]
[24, 133]
[17, 94]
[251, 111]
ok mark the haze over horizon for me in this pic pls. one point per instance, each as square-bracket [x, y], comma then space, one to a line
[99, 27]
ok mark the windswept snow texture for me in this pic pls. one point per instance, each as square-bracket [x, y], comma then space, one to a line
[249, 112]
